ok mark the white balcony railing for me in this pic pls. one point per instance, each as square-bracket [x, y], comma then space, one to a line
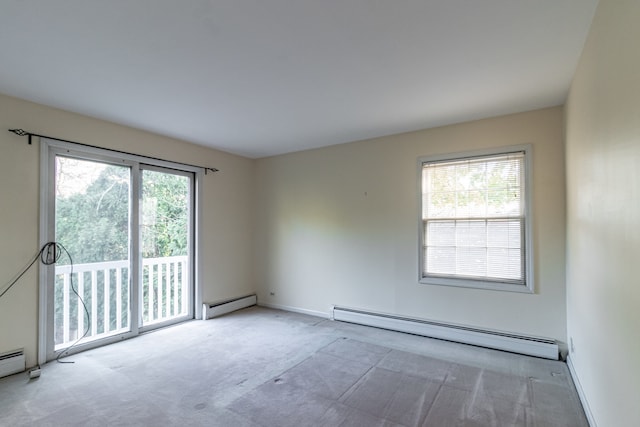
[105, 289]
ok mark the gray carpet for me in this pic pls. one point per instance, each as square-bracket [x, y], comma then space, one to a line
[262, 367]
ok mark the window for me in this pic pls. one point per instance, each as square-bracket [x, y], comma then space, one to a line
[475, 220]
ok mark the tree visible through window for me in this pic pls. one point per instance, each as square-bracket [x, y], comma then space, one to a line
[474, 221]
[93, 221]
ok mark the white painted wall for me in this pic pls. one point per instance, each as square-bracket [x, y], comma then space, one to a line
[603, 215]
[227, 208]
[339, 225]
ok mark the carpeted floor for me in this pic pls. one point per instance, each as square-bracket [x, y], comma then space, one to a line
[263, 367]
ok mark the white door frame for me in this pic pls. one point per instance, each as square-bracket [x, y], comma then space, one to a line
[48, 151]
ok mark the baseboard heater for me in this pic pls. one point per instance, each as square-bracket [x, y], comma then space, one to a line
[12, 362]
[219, 308]
[532, 346]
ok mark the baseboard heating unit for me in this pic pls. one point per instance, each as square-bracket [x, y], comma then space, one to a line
[12, 362]
[522, 344]
[219, 308]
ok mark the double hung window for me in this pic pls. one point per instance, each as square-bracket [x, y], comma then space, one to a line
[475, 220]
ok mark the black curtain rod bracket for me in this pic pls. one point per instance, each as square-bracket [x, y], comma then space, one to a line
[21, 132]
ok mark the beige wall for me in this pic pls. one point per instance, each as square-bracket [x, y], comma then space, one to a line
[339, 225]
[226, 238]
[603, 215]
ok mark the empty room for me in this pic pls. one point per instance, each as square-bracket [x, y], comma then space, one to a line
[360, 213]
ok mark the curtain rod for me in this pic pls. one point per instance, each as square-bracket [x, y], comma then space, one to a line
[21, 132]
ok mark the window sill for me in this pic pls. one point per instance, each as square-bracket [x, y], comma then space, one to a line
[477, 284]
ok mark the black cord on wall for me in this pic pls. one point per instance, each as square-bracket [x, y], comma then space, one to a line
[49, 254]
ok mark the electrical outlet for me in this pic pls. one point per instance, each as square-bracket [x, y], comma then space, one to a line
[573, 349]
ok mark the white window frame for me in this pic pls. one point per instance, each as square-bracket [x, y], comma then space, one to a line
[462, 281]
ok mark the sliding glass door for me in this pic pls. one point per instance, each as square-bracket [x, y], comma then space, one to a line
[128, 228]
[165, 236]
[92, 291]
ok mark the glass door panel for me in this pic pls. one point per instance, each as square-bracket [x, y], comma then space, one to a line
[92, 217]
[165, 242]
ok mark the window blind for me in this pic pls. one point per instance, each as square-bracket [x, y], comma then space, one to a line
[474, 218]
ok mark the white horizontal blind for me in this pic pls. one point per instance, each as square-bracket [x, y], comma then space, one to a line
[474, 218]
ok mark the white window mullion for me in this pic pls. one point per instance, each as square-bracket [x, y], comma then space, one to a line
[135, 292]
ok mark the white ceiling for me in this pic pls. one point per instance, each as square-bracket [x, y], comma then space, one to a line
[265, 77]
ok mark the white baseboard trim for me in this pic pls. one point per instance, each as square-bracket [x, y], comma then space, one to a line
[215, 309]
[12, 362]
[294, 309]
[583, 397]
[506, 341]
